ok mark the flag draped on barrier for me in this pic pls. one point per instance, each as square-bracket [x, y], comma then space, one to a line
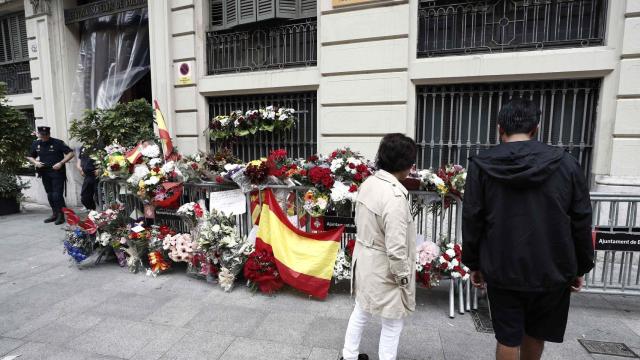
[305, 260]
[163, 131]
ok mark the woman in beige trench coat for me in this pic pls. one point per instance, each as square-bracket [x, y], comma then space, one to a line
[384, 257]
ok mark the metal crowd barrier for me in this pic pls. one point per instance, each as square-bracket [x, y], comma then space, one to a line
[436, 218]
[616, 271]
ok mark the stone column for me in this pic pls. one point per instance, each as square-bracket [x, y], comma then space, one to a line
[624, 170]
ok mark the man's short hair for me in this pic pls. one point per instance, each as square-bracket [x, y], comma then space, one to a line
[397, 152]
[519, 116]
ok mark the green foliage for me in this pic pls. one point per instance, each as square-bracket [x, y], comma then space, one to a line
[127, 123]
[11, 186]
[15, 136]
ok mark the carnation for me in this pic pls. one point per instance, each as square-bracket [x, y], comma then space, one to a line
[155, 162]
[140, 171]
[151, 151]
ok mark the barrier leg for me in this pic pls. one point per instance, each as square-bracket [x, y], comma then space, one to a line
[467, 284]
[460, 296]
[452, 285]
[475, 298]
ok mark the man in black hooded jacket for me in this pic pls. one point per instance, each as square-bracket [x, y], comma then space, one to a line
[527, 233]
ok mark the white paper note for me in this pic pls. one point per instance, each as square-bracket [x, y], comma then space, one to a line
[230, 202]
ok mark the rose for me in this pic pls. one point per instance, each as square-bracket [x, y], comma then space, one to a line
[197, 210]
[353, 188]
[357, 177]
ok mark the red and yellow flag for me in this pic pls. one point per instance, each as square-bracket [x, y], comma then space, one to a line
[163, 132]
[134, 154]
[305, 260]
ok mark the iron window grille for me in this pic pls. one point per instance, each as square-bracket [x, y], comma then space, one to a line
[449, 27]
[262, 47]
[454, 122]
[301, 141]
[17, 76]
[14, 54]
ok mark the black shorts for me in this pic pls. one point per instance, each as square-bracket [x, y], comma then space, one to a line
[540, 315]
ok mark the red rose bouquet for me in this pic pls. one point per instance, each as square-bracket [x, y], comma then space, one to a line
[261, 272]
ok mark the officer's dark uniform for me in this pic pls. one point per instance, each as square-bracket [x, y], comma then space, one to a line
[51, 152]
[90, 183]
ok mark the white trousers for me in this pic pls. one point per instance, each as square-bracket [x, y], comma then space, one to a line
[389, 336]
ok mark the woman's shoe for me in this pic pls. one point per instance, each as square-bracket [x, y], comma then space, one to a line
[360, 357]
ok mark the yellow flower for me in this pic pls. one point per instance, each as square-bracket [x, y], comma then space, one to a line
[141, 184]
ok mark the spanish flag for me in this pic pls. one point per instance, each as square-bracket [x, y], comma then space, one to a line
[304, 260]
[163, 131]
[134, 154]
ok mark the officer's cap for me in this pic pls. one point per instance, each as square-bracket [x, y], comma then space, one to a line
[44, 130]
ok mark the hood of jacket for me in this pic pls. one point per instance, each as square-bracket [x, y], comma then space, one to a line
[520, 163]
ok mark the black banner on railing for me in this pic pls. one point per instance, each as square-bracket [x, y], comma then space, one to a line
[617, 239]
[333, 222]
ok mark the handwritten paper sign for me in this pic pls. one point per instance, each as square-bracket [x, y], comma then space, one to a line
[230, 202]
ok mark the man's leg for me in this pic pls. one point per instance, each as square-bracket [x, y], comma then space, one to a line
[88, 192]
[531, 348]
[389, 338]
[357, 322]
[57, 194]
[46, 182]
[508, 318]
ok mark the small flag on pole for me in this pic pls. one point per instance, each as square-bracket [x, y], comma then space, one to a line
[165, 138]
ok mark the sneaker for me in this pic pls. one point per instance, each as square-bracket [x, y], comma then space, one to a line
[59, 219]
[51, 218]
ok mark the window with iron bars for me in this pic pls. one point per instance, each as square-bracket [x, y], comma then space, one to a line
[454, 122]
[14, 54]
[301, 141]
[449, 27]
[269, 45]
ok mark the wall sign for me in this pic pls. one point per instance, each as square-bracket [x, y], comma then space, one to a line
[618, 239]
[184, 71]
[334, 222]
[101, 8]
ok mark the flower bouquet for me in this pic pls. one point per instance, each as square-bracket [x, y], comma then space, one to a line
[426, 268]
[190, 213]
[342, 197]
[349, 166]
[342, 268]
[455, 177]
[257, 171]
[432, 182]
[280, 165]
[321, 178]
[244, 125]
[274, 118]
[261, 272]
[158, 262]
[114, 164]
[180, 247]
[450, 262]
[220, 127]
[315, 202]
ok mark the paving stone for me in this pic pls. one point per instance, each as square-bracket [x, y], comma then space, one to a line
[176, 312]
[161, 343]
[198, 345]
[228, 320]
[34, 350]
[467, 345]
[128, 306]
[285, 327]
[63, 329]
[326, 333]
[250, 349]
[324, 354]
[118, 337]
[7, 344]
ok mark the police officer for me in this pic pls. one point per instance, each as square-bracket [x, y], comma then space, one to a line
[87, 168]
[49, 156]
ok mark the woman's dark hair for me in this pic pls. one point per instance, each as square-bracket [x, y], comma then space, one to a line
[397, 152]
[518, 116]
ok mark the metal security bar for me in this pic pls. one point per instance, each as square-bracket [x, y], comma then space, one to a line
[448, 27]
[454, 122]
[17, 76]
[615, 272]
[301, 141]
[263, 47]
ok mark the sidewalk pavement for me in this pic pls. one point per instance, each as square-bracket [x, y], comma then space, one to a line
[51, 310]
